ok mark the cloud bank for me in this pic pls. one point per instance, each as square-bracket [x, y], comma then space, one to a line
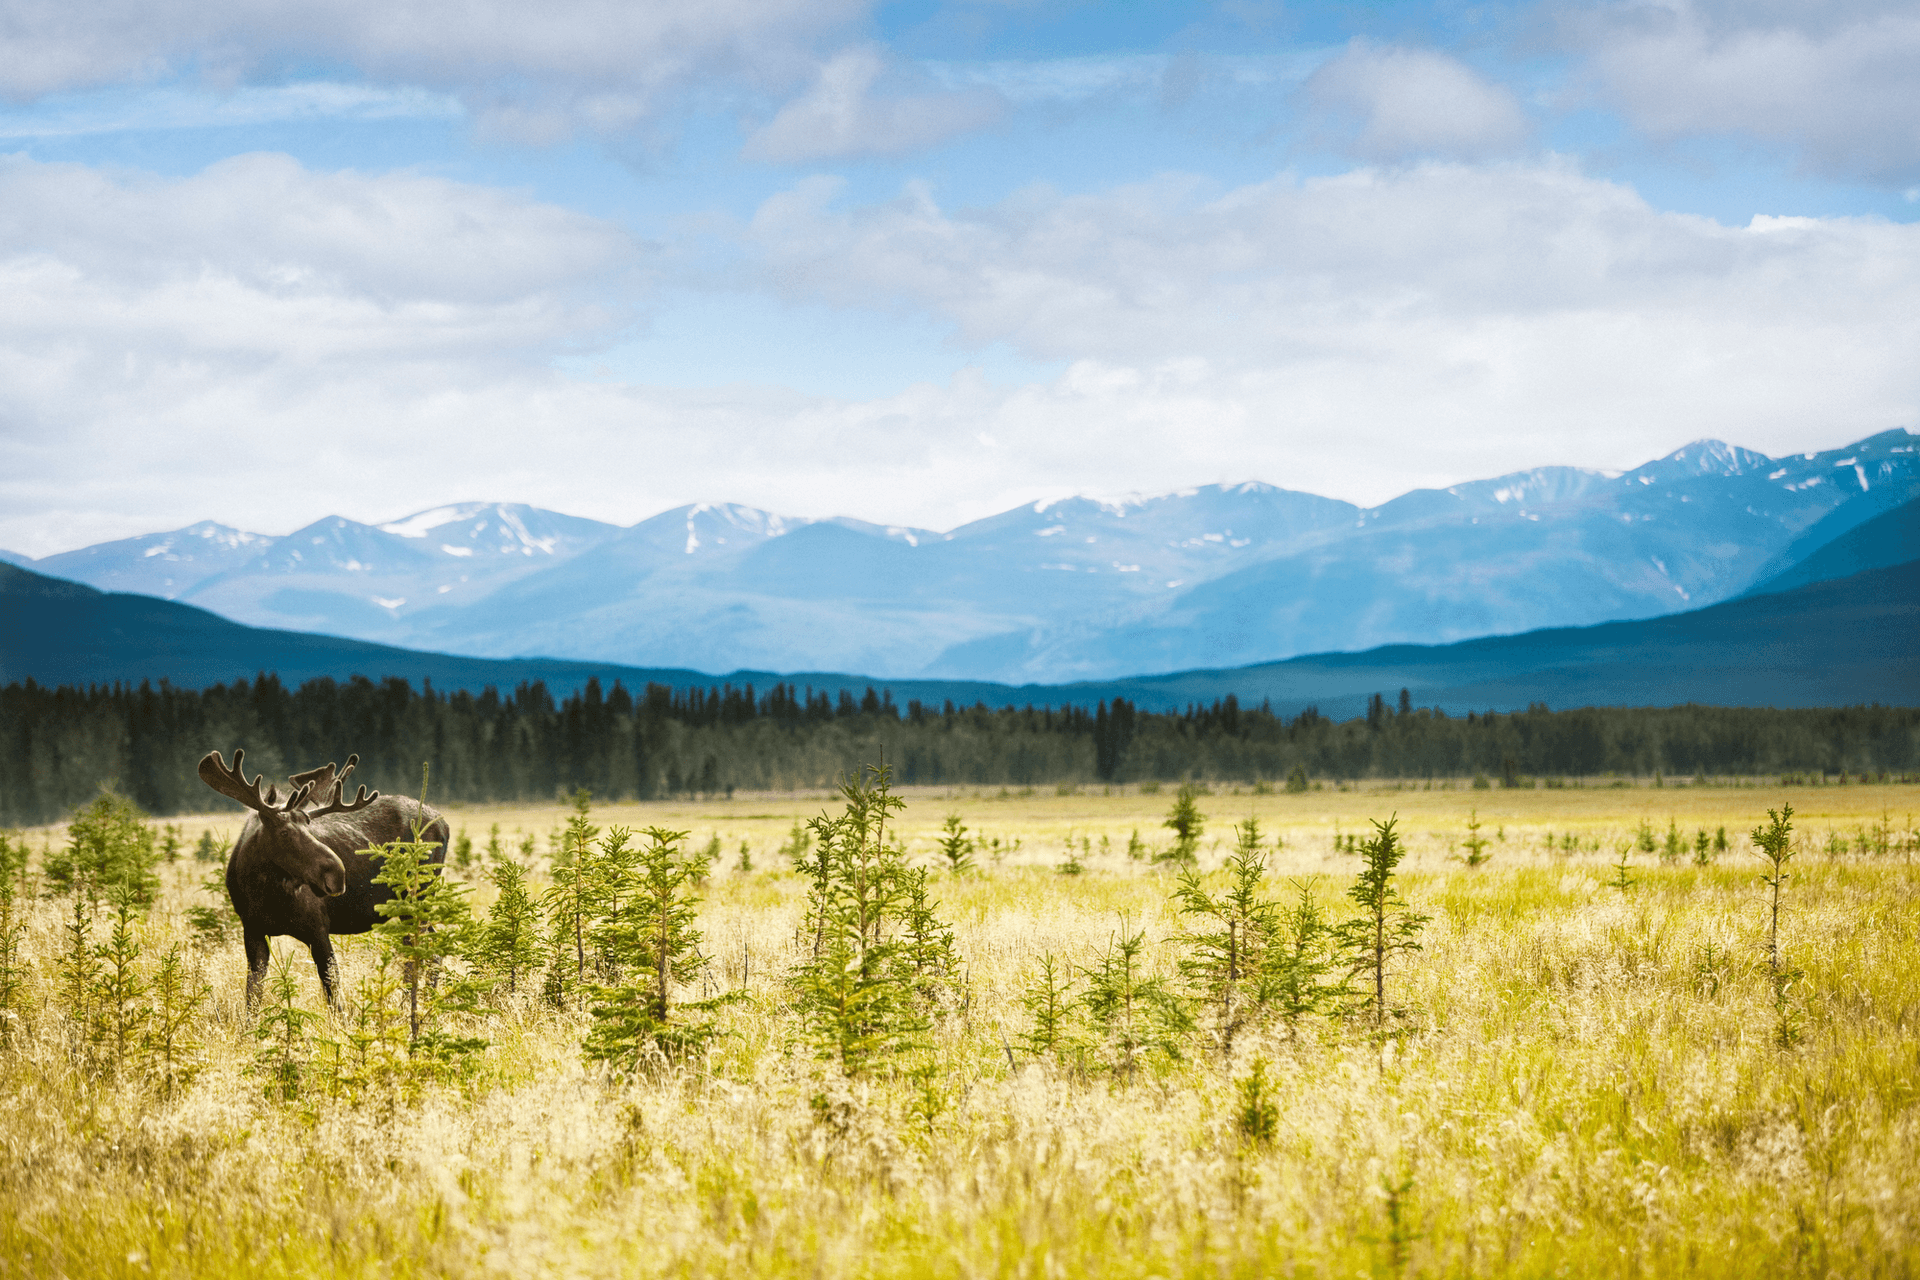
[265, 343]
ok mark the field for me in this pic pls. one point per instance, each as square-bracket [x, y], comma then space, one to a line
[1592, 1073]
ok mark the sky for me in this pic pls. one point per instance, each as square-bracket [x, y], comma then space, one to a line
[921, 262]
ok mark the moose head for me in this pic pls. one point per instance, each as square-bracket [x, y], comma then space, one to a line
[285, 834]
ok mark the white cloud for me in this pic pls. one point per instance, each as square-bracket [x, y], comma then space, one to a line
[1399, 104]
[1433, 321]
[528, 70]
[1833, 82]
[263, 344]
[841, 115]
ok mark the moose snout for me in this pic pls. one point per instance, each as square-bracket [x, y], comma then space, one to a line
[333, 880]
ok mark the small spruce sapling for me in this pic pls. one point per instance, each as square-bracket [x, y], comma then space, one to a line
[1475, 843]
[1050, 1004]
[798, 844]
[570, 902]
[1300, 961]
[1622, 880]
[172, 1051]
[425, 924]
[864, 992]
[212, 924]
[13, 963]
[284, 1032]
[109, 849]
[120, 1011]
[510, 937]
[652, 937]
[77, 975]
[1386, 926]
[956, 846]
[1187, 823]
[1257, 1113]
[1132, 1015]
[1231, 939]
[1775, 843]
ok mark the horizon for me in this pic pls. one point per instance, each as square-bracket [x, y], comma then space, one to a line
[1107, 503]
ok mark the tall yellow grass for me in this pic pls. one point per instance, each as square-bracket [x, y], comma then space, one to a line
[1591, 1082]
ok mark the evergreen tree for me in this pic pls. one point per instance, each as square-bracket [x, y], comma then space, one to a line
[171, 1049]
[510, 938]
[110, 849]
[1049, 1001]
[13, 965]
[119, 1007]
[1298, 965]
[1187, 823]
[426, 923]
[656, 948]
[956, 846]
[1385, 927]
[1133, 1015]
[284, 1032]
[862, 994]
[1231, 944]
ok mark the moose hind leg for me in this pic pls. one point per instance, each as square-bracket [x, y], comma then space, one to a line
[259, 955]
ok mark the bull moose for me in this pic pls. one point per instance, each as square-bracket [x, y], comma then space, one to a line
[298, 868]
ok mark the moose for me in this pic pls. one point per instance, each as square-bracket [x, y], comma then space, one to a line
[299, 868]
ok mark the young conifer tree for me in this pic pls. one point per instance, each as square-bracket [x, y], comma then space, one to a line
[1187, 823]
[284, 1031]
[1386, 926]
[1051, 1004]
[956, 846]
[109, 849]
[77, 976]
[860, 994]
[1231, 939]
[119, 1007]
[651, 936]
[422, 926]
[570, 902]
[1133, 1015]
[13, 964]
[171, 1048]
[510, 937]
[1300, 961]
[1775, 843]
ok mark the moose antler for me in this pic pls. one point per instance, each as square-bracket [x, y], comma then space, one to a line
[335, 803]
[232, 783]
[325, 776]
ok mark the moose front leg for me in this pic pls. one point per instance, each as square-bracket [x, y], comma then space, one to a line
[259, 955]
[329, 968]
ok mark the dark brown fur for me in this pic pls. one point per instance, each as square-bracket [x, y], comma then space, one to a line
[298, 871]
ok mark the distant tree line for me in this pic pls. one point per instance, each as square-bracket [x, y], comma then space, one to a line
[57, 746]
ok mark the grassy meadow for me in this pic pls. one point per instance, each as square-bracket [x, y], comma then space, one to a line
[1595, 1070]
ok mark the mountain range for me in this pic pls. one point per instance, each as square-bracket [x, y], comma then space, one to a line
[1832, 642]
[1075, 590]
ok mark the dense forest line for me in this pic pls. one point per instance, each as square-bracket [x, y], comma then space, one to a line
[57, 746]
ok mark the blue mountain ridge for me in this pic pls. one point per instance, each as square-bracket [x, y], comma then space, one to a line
[1220, 576]
[1833, 642]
